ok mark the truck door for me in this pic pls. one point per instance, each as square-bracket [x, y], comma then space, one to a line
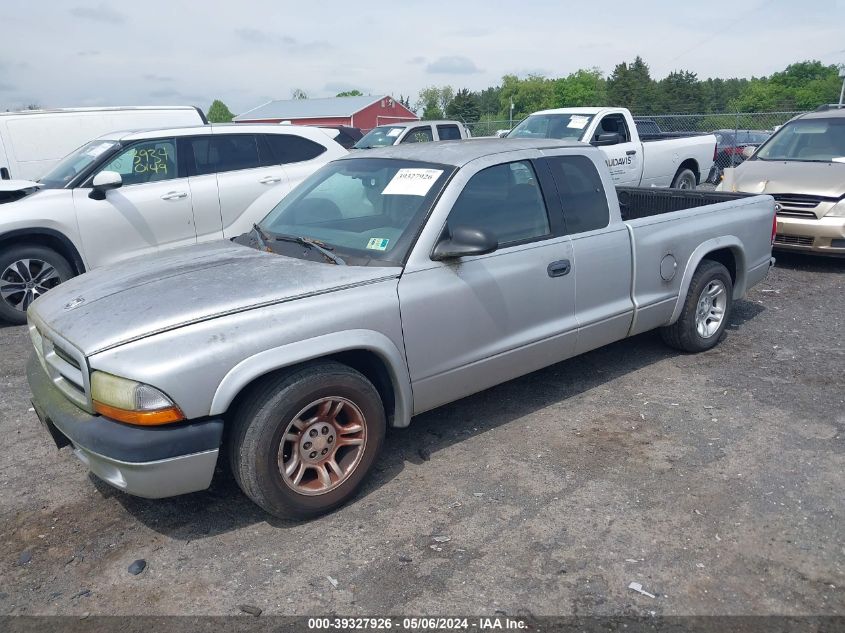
[601, 251]
[5, 172]
[624, 159]
[472, 322]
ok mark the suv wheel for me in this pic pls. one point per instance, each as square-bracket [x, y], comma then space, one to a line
[706, 310]
[684, 179]
[303, 442]
[26, 273]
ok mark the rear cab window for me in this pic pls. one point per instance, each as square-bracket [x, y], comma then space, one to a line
[581, 192]
[448, 132]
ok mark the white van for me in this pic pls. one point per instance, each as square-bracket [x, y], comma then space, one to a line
[32, 141]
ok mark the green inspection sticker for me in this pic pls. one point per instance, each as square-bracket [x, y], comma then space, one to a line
[378, 243]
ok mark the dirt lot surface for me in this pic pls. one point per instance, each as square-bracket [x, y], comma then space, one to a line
[716, 481]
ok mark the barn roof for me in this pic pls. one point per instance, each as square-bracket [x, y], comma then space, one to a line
[310, 108]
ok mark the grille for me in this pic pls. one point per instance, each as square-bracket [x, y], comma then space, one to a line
[794, 240]
[795, 213]
[64, 365]
[798, 201]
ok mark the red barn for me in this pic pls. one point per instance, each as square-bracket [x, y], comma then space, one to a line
[361, 112]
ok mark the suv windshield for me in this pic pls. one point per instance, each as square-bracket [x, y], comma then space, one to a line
[560, 126]
[380, 136]
[361, 209]
[76, 162]
[811, 140]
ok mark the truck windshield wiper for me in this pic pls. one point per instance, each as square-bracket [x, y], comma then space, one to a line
[262, 237]
[310, 243]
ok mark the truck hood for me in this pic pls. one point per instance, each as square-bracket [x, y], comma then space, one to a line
[147, 295]
[814, 179]
[12, 190]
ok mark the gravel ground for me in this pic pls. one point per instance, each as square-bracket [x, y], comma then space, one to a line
[714, 480]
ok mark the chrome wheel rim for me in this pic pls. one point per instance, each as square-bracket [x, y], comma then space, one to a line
[322, 446]
[24, 280]
[710, 310]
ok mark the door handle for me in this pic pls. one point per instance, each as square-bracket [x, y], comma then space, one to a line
[559, 268]
[174, 195]
[631, 152]
[269, 180]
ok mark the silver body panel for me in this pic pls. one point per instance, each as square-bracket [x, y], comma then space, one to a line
[202, 323]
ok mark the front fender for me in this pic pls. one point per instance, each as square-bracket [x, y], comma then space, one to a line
[276, 358]
[705, 248]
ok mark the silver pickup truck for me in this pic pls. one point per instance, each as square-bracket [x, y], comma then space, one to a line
[388, 283]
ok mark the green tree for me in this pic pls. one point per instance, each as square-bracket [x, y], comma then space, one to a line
[528, 95]
[298, 93]
[463, 107]
[632, 87]
[350, 93]
[219, 113]
[489, 101]
[433, 101]
[581, 88]
[679, 91]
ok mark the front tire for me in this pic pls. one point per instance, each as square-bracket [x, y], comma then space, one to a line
[706, 310]
[27, 272]
[684, 179]
[303, 442]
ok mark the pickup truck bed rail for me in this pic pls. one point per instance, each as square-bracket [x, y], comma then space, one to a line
[642, 202]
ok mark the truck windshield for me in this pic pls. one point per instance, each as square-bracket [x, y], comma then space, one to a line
[807, 140]
[380, 136]
[76, 162]
[560, 126]
[362, 209]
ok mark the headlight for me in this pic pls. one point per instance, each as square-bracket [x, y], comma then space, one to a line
[132, 402]
[838, 211]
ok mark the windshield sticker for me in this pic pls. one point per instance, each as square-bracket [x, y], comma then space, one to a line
[578, 122]
[378, 244]
[395, 131]
[96, 150]
[412, 182]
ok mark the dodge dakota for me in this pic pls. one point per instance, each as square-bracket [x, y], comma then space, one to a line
[388, 283]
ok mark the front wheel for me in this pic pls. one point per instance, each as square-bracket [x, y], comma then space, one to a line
[26, 273]
[684, 179]
[706, 310]
[303, 441]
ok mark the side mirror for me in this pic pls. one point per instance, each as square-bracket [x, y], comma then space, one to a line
[608, 138]
[104, 181]
[748, 150]
[463, 241]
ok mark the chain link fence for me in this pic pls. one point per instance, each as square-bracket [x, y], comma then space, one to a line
[734, 131]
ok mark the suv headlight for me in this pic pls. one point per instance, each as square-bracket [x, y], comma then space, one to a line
[132, 402]
[838, 210]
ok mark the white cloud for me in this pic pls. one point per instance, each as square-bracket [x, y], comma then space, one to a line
[452, 65]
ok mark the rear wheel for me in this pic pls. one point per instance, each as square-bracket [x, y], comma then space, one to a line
[303, 442]
[706, 310]
[26, 273]
[684, 179]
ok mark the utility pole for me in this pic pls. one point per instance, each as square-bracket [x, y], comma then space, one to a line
[510, 119]
[842, 92]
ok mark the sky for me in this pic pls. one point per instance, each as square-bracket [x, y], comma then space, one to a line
[165, 52]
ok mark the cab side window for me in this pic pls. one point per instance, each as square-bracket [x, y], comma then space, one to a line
[290, 148]
[581, 193]
[448, 132]
[419, 135]
[147, 161]
[506, 200]
[613, 123]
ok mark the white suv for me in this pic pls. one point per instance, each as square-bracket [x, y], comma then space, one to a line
[127, 194]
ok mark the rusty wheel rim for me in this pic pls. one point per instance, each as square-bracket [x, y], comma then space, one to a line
[322, 446]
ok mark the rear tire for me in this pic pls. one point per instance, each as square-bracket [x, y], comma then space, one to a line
[706, 310]
[27, 272]
[302, 442]
[684, 179]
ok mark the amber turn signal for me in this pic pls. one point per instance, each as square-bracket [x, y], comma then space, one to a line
[141, 418]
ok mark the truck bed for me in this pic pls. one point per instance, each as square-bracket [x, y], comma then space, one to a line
[644, 202]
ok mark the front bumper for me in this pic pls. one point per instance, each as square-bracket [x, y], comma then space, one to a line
[822, 237]
[152, 462]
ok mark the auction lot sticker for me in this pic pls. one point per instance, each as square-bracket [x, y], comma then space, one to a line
[412, 182]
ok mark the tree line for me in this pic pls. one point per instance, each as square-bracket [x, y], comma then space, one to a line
[800, 86]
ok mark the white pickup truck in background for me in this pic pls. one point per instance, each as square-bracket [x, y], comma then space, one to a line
[413, 132]
[680, 162]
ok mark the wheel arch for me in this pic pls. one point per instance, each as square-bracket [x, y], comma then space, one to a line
[369, 352]
[49, 238]
[691, 164]
[728, 251]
